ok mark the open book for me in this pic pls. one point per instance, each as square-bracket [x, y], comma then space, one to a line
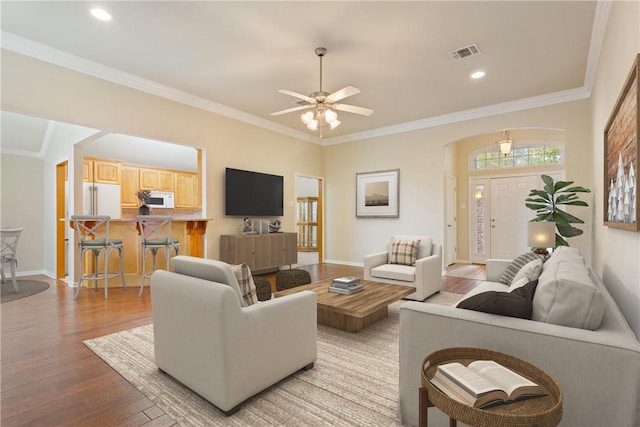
[483, 383]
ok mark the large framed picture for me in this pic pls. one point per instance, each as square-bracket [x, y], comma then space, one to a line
[377, 194]
[621, 157]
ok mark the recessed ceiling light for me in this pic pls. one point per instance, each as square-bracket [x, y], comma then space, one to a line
[478, 75]
[101, 14]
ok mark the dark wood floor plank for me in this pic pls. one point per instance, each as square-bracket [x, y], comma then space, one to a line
[49, 377]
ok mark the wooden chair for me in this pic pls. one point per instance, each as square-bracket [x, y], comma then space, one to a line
[9, 242]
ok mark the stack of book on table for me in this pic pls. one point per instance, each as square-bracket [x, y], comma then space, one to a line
[346, 285]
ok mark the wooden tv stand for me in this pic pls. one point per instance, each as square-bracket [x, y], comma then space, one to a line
[260, 251]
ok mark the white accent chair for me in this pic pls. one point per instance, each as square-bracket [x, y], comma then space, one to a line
[226, 353]
[9, 238]
[425, 275]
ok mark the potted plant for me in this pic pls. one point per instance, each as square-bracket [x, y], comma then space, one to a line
[143, 196]
[548, 202]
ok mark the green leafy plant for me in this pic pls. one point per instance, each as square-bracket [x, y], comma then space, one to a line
[547, 203]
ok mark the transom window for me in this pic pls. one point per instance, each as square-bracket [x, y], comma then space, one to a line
[521, 155]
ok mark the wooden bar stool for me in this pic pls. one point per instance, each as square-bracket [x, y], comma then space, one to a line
[92, 232]
[156, 234]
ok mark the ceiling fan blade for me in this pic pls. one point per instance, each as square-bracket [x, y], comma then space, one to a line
[290, 110]
[353, 109]
[297, 95]
[343, 93]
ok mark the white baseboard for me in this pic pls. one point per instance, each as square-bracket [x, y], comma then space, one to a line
[353, 264]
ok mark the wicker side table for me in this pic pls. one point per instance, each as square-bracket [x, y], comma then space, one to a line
[543, 411]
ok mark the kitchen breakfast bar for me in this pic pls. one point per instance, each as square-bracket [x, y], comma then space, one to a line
[188, 231]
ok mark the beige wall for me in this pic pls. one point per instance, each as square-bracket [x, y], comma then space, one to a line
[40, 89]
[616, 252]
[424, 164]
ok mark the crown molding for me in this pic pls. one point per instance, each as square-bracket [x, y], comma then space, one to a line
[600, 20]
[21, 153]
[45, 53]
[461, 116]
[54, 56]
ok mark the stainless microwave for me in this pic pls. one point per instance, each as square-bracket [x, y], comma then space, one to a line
[161, 199]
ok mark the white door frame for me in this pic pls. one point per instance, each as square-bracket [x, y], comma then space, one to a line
[451, 232]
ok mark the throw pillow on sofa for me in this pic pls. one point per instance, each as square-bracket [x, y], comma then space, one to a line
[403, 252]
[517, 264]
[530, 272]
[246, 283]
[517, 303]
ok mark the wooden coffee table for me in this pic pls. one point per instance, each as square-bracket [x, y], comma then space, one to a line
[353, 313]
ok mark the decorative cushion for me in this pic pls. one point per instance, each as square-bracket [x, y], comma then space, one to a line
[424, 247]
[566, 295]
[530, 272]
[517, 303]
[246, 284]
[404, 273]
[517, 264]
[403, 252]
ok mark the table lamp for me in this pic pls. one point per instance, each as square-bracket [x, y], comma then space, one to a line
[541, 236]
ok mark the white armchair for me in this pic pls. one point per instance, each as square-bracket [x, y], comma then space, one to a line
[224, 352]
[425, 275]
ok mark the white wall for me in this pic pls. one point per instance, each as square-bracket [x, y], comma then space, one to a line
[616, 252]
[21, 197]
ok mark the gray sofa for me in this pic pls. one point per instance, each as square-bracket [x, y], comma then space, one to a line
[598, 370]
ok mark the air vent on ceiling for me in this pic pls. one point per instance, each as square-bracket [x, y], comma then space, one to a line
[465, 52]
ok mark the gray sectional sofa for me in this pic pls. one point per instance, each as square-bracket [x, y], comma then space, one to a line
[579, 336]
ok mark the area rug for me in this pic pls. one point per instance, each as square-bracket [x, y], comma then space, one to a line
[354, 381]
[27, 288]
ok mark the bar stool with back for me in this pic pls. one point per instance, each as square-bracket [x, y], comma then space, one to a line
[155, 231]
[92, 232]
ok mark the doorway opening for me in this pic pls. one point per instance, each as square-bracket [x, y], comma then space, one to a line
[309, 222]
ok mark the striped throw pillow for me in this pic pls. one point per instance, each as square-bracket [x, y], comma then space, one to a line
[403, 252]
[517, 264]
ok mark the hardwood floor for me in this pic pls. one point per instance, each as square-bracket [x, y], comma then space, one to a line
[49, 377]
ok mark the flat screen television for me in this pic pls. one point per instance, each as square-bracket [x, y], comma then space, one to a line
[248, 193]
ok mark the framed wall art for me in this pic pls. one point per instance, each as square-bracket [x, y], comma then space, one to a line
[621, 157]
[377, 194]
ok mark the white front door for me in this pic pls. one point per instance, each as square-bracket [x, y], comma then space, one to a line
[509, 215]
[451, 246]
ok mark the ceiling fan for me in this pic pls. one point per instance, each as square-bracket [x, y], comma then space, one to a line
[322, 105]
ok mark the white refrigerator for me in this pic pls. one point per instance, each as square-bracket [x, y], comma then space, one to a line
[101, 199]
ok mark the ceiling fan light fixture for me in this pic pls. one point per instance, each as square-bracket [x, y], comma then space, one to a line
[330, 115]
[307, 117]
[313, 125]
[322, 105]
